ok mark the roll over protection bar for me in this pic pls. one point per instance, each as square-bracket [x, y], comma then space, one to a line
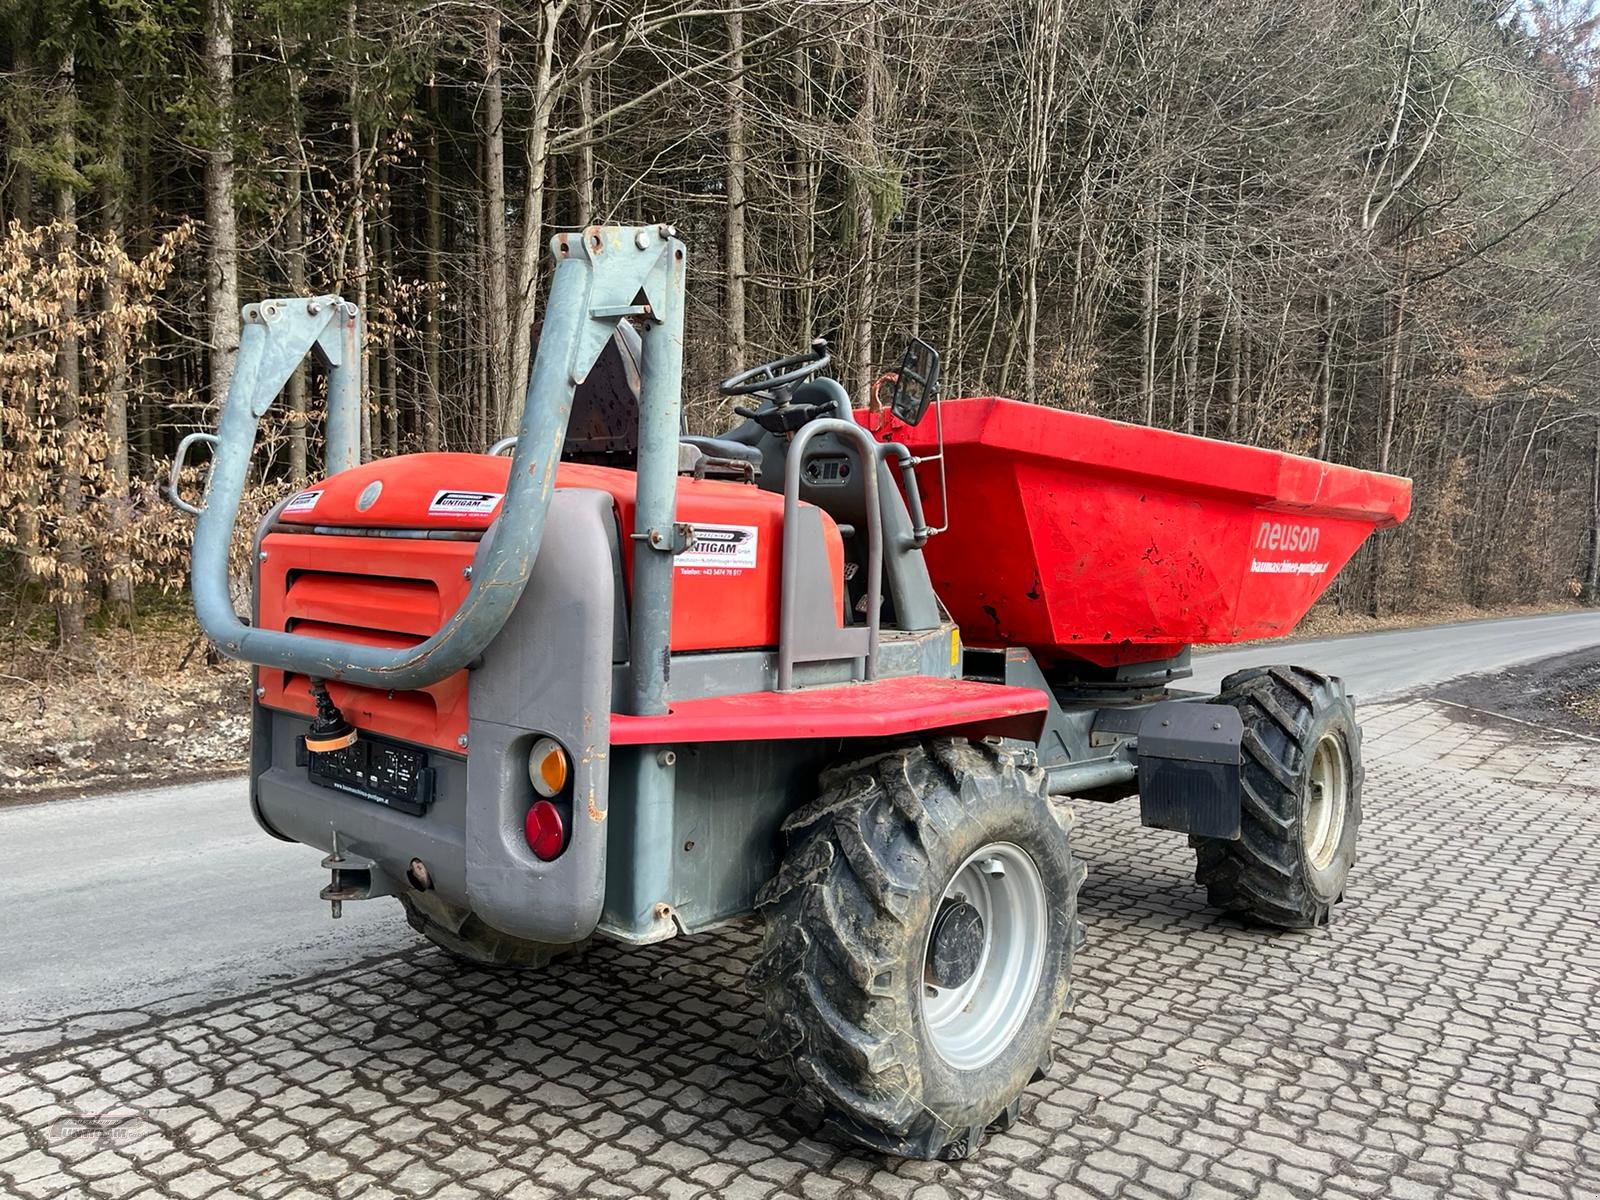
[602, 275]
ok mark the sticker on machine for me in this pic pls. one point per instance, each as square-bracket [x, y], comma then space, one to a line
[1286, 539]
[449, 502]
[719, 548]
[303, 502]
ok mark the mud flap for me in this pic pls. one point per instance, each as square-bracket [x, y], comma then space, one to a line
[1189, 768]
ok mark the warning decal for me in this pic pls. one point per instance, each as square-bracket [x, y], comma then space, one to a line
[303, 502]
[719, 548]
[450, 502]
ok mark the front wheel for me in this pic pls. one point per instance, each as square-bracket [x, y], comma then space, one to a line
[1301, 800]
[919, 941]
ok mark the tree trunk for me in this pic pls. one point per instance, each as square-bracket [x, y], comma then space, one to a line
[147, 366]
[916, 255]
[1151, 266]
[498, 333]
[20, 136]
[1325, 377]
[1041, 85]
[388, 397]
[804, 191]
[295, 389]
[1235, 370]
[866, 220]
[295, 249]
[358, 196]
[21, 133]
[734, 227]
[433, 281]
[484, 340]
[1394, 368]
[583, 182]
[1591, 577]
[71, 582]
[222, 244]
[526, 306]
[1191, 359]
[119, 582]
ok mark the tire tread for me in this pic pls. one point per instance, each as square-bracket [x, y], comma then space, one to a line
[1260, 875]
[836, 1004]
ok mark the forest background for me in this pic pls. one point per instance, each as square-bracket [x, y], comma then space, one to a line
[1362, 231]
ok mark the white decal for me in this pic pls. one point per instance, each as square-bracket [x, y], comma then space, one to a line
[1257, 567]
[720, 550]
[449, 502]
[1288, 536]
[303, 502]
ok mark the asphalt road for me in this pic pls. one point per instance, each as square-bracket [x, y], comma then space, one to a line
[117, 906]
[1403, 662]
[120, 906]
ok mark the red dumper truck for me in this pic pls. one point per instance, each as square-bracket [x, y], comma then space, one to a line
[842, 669]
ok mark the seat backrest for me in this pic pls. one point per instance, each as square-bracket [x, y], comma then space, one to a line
[604, 427]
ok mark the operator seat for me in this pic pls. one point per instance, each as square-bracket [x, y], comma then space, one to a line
[603, 429]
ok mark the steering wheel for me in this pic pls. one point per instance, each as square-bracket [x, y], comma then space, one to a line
[778, 374]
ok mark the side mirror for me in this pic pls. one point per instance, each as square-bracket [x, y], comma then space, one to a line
[916, 384]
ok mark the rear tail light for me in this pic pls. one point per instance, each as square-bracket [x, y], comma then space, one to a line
[546, 830]
[547, 767]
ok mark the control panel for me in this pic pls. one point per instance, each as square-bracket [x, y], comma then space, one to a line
[822, 470]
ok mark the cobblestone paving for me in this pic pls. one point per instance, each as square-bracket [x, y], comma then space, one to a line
[1440, 1039]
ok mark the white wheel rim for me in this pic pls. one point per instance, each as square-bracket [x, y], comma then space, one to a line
[971, 1023]
[1327, 800]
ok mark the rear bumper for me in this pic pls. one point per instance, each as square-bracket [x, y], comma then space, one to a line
[499, 880]
[548, 673]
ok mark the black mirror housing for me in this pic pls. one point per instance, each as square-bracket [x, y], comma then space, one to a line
[916, 384]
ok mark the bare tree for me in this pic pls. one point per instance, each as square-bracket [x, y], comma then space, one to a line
[222, 230]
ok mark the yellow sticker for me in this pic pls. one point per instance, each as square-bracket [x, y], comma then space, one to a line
[955, 647]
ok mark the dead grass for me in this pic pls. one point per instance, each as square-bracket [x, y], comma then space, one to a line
[125, 715]
[1584, 703]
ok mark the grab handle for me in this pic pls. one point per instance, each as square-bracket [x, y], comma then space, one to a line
[180, 460]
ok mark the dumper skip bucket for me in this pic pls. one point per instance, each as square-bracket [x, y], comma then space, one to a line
[1083, 538]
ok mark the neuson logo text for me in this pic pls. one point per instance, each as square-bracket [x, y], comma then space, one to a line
[1287, 535]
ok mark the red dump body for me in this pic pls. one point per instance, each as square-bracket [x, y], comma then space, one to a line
[1084, 538]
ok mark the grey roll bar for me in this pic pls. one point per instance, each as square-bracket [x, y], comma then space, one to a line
[788, 609]
[602, 275]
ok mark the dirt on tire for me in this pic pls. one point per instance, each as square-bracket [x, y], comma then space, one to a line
[841, 970]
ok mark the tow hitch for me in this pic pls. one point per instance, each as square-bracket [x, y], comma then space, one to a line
[354, 878]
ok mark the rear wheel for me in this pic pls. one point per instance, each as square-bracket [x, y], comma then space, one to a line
[1301, 800]
[465, 938]
[918, 946]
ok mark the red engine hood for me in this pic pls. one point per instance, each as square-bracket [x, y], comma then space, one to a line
[413, 491]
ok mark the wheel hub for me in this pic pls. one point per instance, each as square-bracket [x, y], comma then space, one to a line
[984, 956]
[1327, 800]
[956, 945]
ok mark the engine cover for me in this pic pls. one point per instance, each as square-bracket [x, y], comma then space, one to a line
[382, 553]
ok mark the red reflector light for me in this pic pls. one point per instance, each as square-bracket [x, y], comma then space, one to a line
[545, 830]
